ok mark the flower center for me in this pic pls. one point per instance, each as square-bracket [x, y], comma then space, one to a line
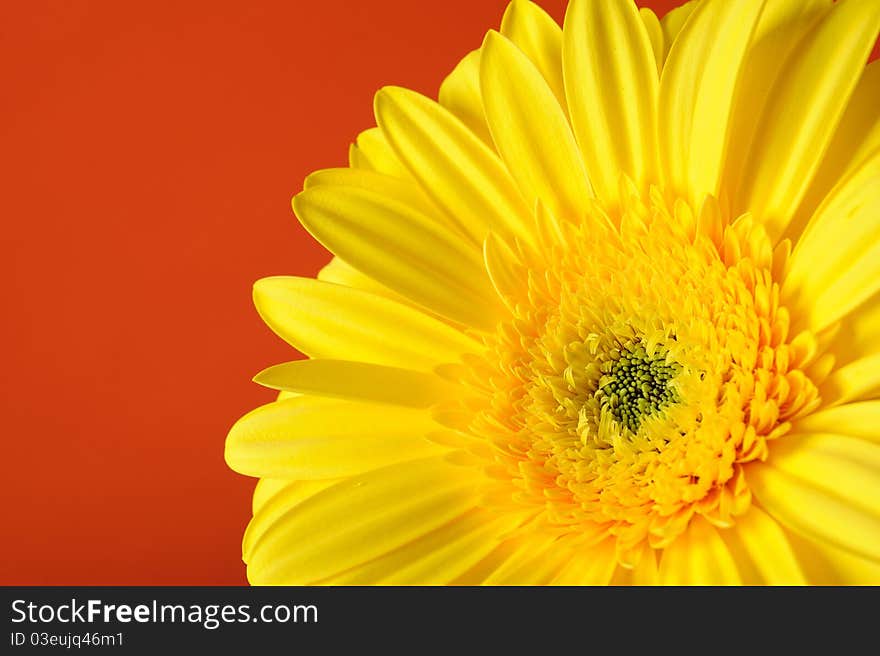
[636, 385]
[647, 360]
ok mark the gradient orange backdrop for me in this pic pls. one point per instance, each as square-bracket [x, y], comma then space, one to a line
[149, 153]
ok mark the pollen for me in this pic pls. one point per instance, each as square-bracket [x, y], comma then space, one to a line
[636, 386]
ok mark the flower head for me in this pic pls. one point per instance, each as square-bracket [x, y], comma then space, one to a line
[606, 312]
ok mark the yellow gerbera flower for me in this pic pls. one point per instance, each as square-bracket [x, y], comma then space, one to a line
[609, 311]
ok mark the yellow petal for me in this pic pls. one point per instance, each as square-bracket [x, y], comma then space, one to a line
[402, 248]
[403, 189]
[655, 34]
[803, 111]
[505, 270]
[373, 153]
[478, 573]
[611, 85]
[535, 561]
[622, 577]
[531, 131]
[827, 565]
[825, 487]
[540, 38]
[855, 381]
[782, 26]
[855, 419]
[758, 542]
[593, 566]
[265, 489]
[360, 519]
[460, 94]
[324, 320]
[436, 558]
[710, 559]
[356, 159]
[858, 335]
[339, 272]
[315, 438]
[646, 571]
[459, 172]
[857, 136]
[697, 92]
[273, 498]
[672, 22]
[343, 379]
[698, 557]
[835, 265]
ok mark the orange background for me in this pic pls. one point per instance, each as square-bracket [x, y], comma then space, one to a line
[149, 152]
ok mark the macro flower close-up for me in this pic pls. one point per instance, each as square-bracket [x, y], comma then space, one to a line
[604, 311]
